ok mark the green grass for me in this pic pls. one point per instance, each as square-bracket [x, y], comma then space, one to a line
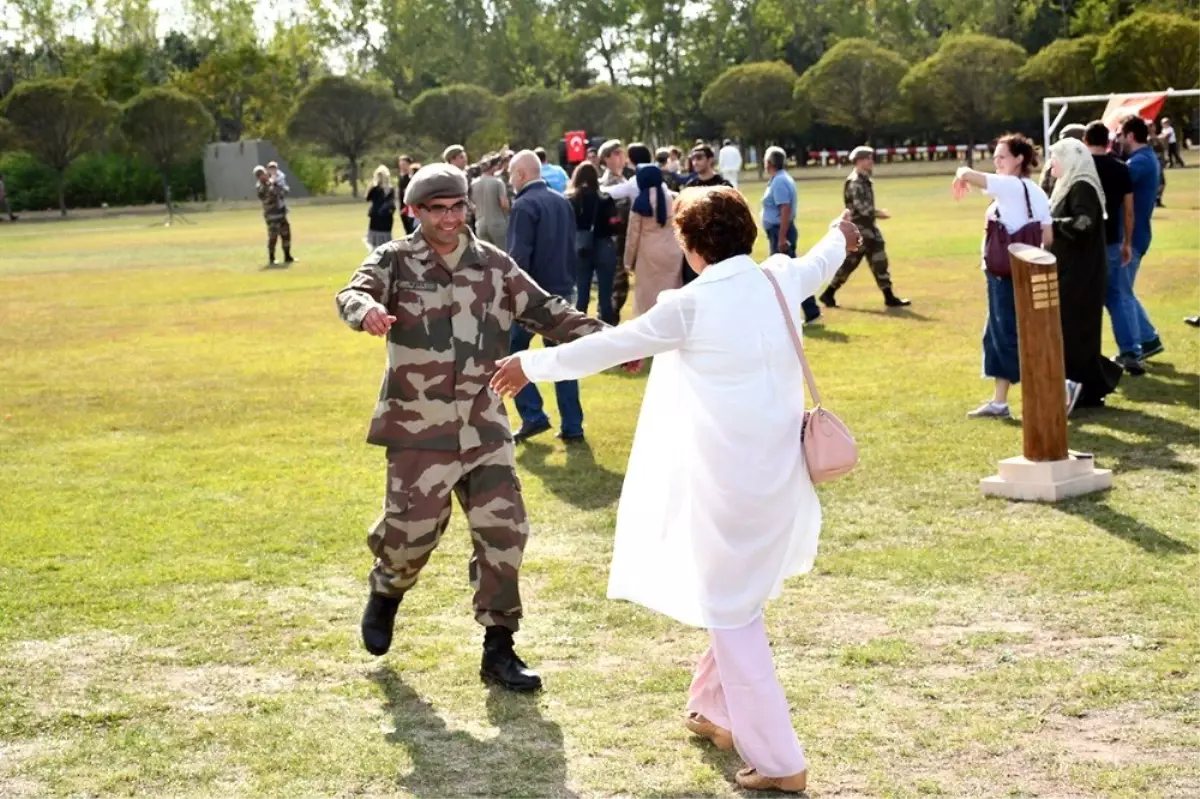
[184, 493]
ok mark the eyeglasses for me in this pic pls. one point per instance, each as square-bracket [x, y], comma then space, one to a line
[437, 212]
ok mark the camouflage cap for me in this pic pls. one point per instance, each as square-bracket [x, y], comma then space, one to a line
[861, 152]
[435, 181]
[258, 170]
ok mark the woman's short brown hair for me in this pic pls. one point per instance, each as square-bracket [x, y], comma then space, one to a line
[715, 223]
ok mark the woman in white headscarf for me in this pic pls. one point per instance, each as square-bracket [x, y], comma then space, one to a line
[1077, 208]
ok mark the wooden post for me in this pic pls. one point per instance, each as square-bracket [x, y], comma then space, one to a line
[1039, 331]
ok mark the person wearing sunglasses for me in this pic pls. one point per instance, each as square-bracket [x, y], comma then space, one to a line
[447, 301]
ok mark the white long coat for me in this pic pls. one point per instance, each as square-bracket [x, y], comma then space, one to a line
[717, 508]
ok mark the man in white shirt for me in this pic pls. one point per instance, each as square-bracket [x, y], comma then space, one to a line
[1168, 134]
[729, 160]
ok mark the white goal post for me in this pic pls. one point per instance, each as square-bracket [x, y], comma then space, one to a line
[1048, 127]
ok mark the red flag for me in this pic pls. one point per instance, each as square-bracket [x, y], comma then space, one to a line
[576, 145]
[1145, 106]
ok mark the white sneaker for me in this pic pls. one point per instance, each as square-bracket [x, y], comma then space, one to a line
[1074, 392]
[990, 410]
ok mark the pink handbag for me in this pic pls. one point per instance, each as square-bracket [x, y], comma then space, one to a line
[829, 449]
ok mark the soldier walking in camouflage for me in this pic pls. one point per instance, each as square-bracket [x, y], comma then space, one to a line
[859, 196]
[446, 302]
[273, 195]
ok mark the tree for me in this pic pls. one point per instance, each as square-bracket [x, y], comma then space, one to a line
[166, 125]
[1149, 51]
[1062, 69]
[346, 117]
[856, 85]
[755, 102]
[602, 110]
[529, 113]
[236, 87]
[968, 84]
[57, 121]
[450, 115]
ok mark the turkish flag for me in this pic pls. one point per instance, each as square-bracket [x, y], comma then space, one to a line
[576, 145]
[1145, 106]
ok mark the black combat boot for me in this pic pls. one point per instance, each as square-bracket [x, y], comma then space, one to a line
[827, 298]
[377, 622]
[287, 256]
[270, 256]
[502, 667]
[892, 301]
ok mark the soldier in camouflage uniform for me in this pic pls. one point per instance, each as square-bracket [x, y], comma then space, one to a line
[859, 196]
[273, 196]
[446, 301]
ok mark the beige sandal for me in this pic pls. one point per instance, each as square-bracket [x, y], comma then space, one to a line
[751, 780]
[721, 737]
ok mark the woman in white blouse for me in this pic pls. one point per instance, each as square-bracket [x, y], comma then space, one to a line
[717, 509]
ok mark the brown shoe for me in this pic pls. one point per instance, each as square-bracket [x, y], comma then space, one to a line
[721, 737]
[751, 780]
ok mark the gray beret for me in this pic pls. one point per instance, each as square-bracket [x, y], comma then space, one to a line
[862, 152]
[435, 181]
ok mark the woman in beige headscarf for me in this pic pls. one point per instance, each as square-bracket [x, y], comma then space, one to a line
[1077, 208]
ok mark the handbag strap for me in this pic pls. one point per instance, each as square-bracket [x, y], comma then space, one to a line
[791, 326]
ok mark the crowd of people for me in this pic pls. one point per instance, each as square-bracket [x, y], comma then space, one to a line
[717, 511]
[1093, 211]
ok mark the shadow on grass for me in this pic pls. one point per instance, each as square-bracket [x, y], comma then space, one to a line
[582, 482]
[1163, 384]
[1153, 450]
[1125, 527]
[526, 758]
[900, 313]
[820, 331]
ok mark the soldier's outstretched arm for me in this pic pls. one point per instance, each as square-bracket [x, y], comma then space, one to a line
[367, 290]
[546, 314]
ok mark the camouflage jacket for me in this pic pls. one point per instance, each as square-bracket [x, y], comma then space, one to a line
[451, 327]
[859, 196]
[272, 196]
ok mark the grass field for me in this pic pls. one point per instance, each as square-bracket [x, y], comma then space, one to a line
[184, 492]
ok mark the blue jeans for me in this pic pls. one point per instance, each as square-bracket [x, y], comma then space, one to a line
[529, 399]
[1001, 356]
[811, 309]
[1131, 325]
[599, 262]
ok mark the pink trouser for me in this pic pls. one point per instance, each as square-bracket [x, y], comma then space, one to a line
[735, 687]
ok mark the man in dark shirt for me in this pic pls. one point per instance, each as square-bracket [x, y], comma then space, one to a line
[1118, 198]
[541, 239]
[703, 162]
[403, 178]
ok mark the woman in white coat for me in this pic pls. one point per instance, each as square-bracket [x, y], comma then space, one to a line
[717, 509]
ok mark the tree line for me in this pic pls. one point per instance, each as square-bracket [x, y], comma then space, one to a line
[352, 78]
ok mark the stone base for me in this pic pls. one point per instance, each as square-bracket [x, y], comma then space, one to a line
[1047, 481]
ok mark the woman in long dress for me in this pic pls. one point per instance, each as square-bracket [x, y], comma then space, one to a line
[717, 508]
[651, 250]
[1077, 207]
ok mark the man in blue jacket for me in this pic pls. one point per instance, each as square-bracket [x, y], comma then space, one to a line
[541, 239]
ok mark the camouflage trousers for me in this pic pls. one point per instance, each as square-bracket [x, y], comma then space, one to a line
[279, 229]
[416, 511]
[876, 254]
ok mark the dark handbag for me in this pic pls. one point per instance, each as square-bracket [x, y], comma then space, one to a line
[585, 240]
[997, 238]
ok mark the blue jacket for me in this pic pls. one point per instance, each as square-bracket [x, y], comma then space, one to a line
[556, 177]
[541, 237]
